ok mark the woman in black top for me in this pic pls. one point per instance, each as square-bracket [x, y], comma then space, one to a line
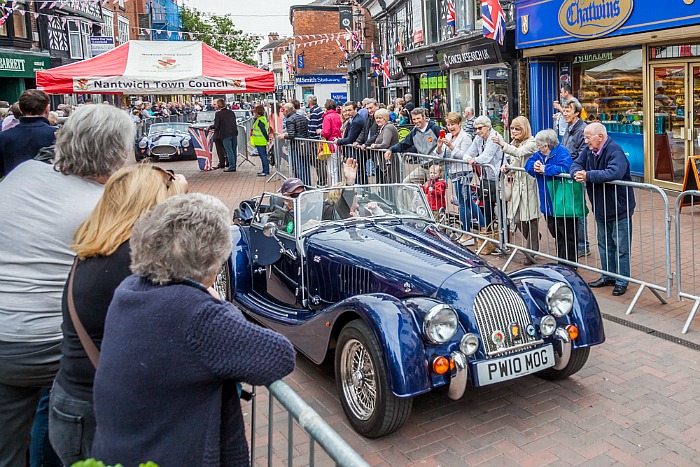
[102, 248]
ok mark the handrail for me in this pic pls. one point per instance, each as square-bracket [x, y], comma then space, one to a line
[312, 423]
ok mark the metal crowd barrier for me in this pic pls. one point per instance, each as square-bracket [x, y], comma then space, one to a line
[686, 265]
[244, 148]
[528, 233]
[645, 253]
[308, 420]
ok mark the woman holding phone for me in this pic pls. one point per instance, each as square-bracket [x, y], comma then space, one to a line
[454, 145]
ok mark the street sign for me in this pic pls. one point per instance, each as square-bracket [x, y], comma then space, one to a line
[101, 44]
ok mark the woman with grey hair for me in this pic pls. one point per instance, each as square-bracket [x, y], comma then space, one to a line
[173, 352]
[387, 136]
[489, 156]
[549, 160]
[46, 204]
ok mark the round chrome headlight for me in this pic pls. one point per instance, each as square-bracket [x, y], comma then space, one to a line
[185, 142]
[440, 324]
[469, 344]
[560, 299]
[143, 143]
[548, 325]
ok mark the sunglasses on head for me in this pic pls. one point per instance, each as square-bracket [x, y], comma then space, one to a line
[168, 174]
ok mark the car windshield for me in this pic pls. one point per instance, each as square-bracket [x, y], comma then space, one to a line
[348, 204]
[169, 128]
[203, 117]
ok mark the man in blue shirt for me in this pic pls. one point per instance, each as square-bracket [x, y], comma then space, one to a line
[22, 142]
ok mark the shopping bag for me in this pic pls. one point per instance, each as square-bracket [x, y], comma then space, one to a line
[324, 151]
[567, 198]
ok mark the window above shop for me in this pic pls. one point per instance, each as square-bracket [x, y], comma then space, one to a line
[674, 51]
[108, 29]
[18, 25]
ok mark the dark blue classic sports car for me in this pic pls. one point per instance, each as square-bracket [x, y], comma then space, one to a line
[166, 141]
[363, 274]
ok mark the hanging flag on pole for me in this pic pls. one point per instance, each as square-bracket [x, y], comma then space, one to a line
[399, 47]
[356, 43]
[451, 15]
[385, 71]
[374, 62]
[494, 20]
[342, 48]
[288, 66]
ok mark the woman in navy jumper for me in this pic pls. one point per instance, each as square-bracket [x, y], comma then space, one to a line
[173, 351]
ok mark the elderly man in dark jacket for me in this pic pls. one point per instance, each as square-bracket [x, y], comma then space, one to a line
[613, 205]
[23, 142]
[300, 152]
[573, 141]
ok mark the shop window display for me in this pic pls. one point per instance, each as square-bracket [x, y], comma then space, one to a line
[460, 90]
[497, 98]
[433, 95]
[609, 86]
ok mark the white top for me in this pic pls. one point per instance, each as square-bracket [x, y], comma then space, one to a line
[461, 144]
[40, 210]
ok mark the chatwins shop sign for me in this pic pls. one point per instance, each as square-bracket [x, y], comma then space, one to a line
[593, 18]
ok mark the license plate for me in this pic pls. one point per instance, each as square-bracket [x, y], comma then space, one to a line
[515, 366]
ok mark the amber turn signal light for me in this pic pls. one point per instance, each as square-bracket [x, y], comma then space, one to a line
[441, 365]
[573, 331]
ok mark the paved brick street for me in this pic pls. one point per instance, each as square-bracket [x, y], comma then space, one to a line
[636, 401]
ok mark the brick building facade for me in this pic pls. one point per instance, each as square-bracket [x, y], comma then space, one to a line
[320, 67]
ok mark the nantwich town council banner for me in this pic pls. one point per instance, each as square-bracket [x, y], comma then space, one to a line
[152, 67]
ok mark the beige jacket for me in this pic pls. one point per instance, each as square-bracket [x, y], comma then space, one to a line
[524, 202]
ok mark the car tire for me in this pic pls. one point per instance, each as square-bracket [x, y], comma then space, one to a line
[370, 406]
[222, 283]
[578, 359]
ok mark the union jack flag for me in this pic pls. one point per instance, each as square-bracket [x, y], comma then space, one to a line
[342, 48]
[203, 142]
[356, 43]
[399, 47]
[374, 62]
[385, 71]
[288, 65]
[451, 15]
[494, 20]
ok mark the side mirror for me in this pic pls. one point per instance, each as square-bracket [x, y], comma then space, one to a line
[270, 229]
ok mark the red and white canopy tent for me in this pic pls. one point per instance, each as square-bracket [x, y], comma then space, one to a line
[155, 67]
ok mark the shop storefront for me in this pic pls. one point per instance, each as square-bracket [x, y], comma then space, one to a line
[427, 82]
[321, 86]
[18, 73]
[633, 65]
[479, 78]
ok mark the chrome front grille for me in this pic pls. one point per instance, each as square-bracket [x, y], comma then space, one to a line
[164, 150]
[496, 307]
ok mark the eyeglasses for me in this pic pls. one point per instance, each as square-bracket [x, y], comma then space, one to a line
[295, 194]
[477, 128]
[517, 128]
[168, 174]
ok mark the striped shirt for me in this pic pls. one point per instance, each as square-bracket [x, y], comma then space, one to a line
[315, 121]
[469, 127]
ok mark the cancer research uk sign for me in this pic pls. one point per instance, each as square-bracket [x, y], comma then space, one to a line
[101, 44]
[160, 68]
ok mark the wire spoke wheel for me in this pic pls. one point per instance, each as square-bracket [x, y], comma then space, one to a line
[222, 283]
[372, 409]
[359, 384]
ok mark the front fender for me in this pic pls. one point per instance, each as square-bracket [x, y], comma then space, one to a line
[585, 314]
[238, 261]
[400, 340]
